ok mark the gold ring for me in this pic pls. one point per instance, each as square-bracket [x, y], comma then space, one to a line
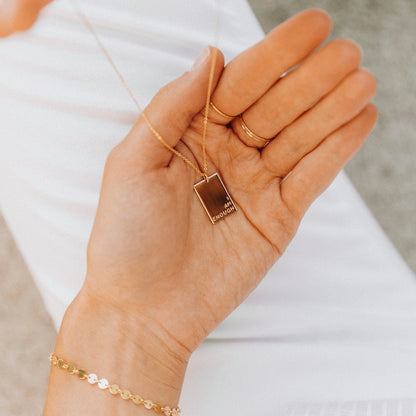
[250, 133]
[219, 111]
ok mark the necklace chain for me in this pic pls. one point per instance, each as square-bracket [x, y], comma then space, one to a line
[203, 173]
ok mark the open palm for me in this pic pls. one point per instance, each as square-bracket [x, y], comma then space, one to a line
[153, 251]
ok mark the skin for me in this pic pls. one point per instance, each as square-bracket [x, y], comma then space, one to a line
[18, 15]
[160, 276]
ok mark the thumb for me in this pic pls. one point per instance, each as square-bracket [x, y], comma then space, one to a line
[171, 111]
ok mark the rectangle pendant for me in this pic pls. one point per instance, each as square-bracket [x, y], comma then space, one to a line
[215, 198]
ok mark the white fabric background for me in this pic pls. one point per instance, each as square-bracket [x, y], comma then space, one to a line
[332, 323]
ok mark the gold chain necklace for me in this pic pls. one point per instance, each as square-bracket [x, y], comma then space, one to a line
[211, 190]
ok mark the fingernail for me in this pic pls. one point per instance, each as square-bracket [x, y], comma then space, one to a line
[201, 58]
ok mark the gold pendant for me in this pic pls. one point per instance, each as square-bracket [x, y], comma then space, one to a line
[214, 198]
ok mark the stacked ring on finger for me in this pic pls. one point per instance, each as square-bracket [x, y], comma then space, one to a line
[251, 133]
[218, 111]
[243, 124]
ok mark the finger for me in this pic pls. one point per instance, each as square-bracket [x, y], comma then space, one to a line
[337, 108]
[300, 89]
[170, 113]
[248, 76]
[316, 171]
[246, 134]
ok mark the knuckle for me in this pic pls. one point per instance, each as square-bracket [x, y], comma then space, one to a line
[174, 87]
[164, 90]
[113, 156]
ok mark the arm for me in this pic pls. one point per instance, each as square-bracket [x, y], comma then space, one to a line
[133, 353]
[160, 276]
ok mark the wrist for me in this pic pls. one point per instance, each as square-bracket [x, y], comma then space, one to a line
[129, 351]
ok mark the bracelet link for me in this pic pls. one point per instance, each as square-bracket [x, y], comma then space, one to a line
[114, 389]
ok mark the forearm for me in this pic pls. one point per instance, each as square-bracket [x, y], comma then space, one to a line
[126, 351]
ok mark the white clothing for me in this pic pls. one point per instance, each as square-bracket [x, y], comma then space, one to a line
[329, 331]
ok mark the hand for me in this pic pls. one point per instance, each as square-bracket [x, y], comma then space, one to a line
[17, 15]
[153, 253]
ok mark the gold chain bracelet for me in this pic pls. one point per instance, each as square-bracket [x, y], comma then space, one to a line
[114, 389]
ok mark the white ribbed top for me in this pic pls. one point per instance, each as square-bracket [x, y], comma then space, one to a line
[392, 407]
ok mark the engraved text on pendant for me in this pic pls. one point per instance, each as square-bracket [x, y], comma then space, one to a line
[214, 198]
